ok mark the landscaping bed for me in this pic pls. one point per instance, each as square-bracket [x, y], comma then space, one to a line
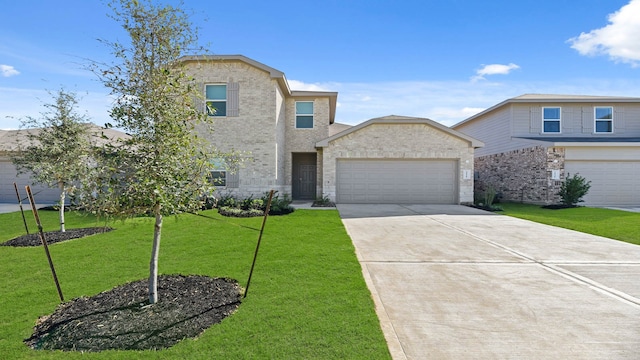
[122, 319]
[55, 236]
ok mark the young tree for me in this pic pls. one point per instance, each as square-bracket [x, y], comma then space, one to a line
[163, 168]
[57, 147]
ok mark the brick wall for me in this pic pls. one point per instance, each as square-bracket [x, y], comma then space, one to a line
[522, 175]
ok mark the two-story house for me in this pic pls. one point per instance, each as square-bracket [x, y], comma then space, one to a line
[292, 143]
[289, 142]
[533, 142]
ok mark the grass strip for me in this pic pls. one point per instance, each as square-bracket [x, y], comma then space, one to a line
[613, 224]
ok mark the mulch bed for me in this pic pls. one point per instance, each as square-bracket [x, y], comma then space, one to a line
[55, 236]
[559, 206]
[122, 319]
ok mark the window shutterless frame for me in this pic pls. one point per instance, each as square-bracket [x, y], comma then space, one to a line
[603, 119]
[551, 120]
[304, 114]
[216, 99]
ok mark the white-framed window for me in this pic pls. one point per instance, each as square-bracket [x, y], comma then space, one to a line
[603, 116]
[223, 175]
[551, 117]
[304, 114]
[219, 178]
[216, 99]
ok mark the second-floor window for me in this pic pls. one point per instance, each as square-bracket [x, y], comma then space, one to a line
[216, 99]
[304, 114]
[604, 119]
[551, 119]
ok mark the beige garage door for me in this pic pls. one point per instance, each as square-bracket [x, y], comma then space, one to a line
[396, 181]
[612, 182]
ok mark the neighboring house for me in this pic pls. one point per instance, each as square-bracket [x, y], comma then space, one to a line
[533, 142]
[10, 141]
[294, 146]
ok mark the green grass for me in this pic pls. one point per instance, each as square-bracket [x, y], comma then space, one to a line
[614, 224]
[307, 298]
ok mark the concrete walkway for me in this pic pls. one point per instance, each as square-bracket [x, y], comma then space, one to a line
[452, 282]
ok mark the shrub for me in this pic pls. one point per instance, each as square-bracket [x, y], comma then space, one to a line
[323, 201]
[279, 206]
[573, 189]
[209, 202]
[237, 212]
[227, 201]
[230, 206]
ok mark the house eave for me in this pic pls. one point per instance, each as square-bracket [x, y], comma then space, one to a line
[332, 95]
[394, 119]
[275, 74]
[550, 99]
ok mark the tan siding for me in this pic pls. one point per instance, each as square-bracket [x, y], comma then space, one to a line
[535, 120]
[522, 121]
[494, 131]
[587, 119]
[602, 153]
[632, 119]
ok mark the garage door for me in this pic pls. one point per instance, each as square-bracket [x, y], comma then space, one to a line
[41, 194]
[612, 182]
[397, 181]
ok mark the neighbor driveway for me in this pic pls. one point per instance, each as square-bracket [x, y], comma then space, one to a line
[452, 282]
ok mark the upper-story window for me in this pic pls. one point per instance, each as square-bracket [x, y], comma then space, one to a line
[216, 99]
[604, 119]
[304, 114]
[551, 119]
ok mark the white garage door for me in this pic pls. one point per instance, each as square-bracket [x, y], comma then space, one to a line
[397, 181]
[612, 182]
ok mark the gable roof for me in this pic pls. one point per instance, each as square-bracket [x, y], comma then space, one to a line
[275, 74]
[552, 98]
[396, 119]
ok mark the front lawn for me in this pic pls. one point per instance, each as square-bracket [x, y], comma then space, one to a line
[614, 224]
[307, 298]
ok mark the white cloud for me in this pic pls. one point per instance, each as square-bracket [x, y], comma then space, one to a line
[494, 69]
[619, 39]
[8, 70]
[299, 85]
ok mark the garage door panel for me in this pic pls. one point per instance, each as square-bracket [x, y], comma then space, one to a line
[612, 182]
[396, 181]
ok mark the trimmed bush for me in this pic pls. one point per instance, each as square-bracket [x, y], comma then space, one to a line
[573, 189]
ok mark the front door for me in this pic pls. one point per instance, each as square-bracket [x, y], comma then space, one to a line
[307, 180]
[304, 176]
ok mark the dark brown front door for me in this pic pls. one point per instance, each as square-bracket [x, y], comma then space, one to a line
[307, 181]
[304, 176]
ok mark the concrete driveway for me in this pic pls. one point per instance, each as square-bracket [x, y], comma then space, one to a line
[452, 282]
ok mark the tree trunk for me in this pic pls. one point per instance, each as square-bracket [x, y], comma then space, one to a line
[62, 195]
[153, 265]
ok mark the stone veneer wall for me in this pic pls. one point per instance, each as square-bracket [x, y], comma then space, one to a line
[522, 175]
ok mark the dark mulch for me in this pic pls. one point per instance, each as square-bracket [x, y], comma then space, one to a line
[323, 204]
[122, 319]
[55, 236]
[491, 208]
[559, 206]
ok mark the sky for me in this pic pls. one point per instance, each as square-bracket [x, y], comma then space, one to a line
[444, 60]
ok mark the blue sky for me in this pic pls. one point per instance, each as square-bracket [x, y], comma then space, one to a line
[444, 60]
